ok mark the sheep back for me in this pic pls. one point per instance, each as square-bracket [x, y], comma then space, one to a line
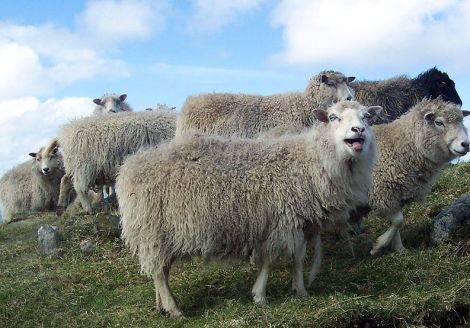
[95, 146]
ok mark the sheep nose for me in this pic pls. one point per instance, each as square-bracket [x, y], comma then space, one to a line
[46, 169]
[357, 129]
[349, 98]
[465, 145]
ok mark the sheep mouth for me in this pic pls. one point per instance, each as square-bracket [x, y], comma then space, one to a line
[355, 143]
[458, 153]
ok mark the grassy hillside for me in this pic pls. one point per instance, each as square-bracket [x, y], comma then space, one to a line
[425, 286]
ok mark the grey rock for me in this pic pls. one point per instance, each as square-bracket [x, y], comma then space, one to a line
[88, 246]
[48, 239]
[450, 219]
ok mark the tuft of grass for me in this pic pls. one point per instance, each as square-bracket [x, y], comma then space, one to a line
[428, 285]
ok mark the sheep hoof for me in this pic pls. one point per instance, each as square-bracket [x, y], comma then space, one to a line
[301, 293]
[374, 251]
[59, 210]
[259, 299]
[175, 314]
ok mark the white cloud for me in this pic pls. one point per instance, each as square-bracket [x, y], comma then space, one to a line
[37, 60]
[111, 20]
[28, 124]
[212, 15]
[374, 33]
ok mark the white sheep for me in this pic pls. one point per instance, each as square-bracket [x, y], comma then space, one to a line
[161, 107]
[111, 103]
[32, 185]
[411, 152]
[95, 146]
[247, 115]
[217, 197]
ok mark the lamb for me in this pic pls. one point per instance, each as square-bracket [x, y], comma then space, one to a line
[247, 115]
[111, 103]
[398, 94]
[411, 153]
[95, 146]
[32, 185]
[216, 197]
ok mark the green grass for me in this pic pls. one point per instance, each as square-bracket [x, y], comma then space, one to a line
[428, 285]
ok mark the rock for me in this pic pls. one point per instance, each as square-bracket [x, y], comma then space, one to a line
[48, 239]
[450, 219]
[88, 246]
[108, 224]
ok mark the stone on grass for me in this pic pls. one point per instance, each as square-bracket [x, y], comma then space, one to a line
[48, 239]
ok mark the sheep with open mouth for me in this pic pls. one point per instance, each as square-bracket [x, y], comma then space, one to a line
[215, 197]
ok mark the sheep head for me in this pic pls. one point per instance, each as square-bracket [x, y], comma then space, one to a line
[443, 135]
[349, 124]
[48, 159]
[111, 103]
[331, 87]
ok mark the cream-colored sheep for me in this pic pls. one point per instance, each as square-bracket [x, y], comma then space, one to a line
[111, 103]
[95, 146]
[215, 197]
[411, 152]
[32, 185]
[247, 115]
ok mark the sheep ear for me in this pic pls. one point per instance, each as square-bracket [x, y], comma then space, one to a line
[374, 110]
[324, 78]
[429, 117]
[97, 101]
[122, 97]
[148, 108]
[466, 113]
[321, 115]
[32, 155]
[351, 78]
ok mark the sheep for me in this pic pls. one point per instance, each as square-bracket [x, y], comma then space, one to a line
[247, 115]
[161, 107]
[111, 103]
[398, 94]
[215, 197]
[411, 153]
[95, 146]
[32, 185]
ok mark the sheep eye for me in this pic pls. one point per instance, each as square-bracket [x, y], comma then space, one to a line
[331, 84]
[332, 117]
[439, 123]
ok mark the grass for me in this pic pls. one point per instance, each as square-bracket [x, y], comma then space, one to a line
[428, 285]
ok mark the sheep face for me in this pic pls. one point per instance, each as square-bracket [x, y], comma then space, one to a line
[350, 125]
[445, 136]
[110, 104]
[48, 160]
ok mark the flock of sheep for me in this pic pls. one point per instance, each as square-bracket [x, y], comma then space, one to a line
[246, 176]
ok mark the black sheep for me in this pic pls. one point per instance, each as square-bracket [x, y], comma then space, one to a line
[398, 94]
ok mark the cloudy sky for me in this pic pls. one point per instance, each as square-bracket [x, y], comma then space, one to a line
[56, 56]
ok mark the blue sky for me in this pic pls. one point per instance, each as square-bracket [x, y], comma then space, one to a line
[56, 56]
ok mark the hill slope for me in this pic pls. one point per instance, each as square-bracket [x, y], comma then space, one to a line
[427, 285]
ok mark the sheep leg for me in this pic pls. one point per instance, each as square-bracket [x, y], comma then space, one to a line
[259, 288]
[317, 257]
[385, 239]
[298, 286]
[66, 188]
[397, 245]
[164, 298]
[85, 201]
